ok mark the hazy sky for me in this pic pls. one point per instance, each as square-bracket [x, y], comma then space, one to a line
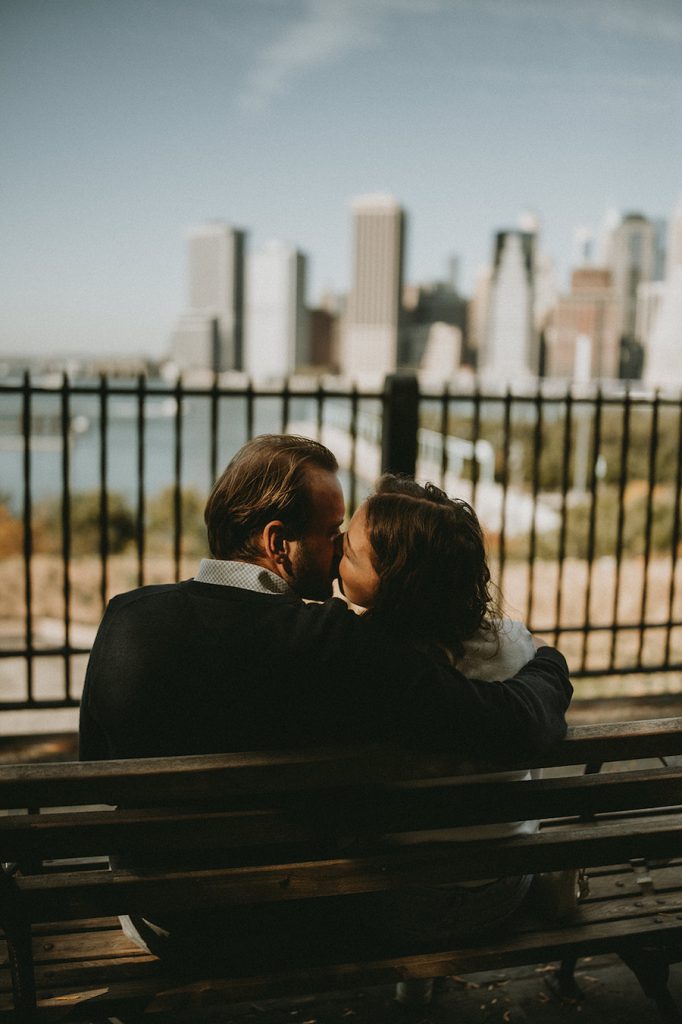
[123, 121]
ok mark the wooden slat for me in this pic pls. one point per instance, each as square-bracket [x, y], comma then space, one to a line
[82, 894]
[167, 996]
[593, 932]
[403, 809]
[170, 780]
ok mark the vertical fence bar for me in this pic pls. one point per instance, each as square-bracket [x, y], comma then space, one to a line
[565, 478]
[674, 541]
[504, 481]
[249, 410]
[177, 481]
[66, 527]
[475, 436]
[140, 515]
[444, 433]
[400, 424]
[353, 431]
[592, 531]
[620, 525]
[286, 399]
[319, 410]
[535, 486]
[103, 490]
[28, 533]
[215, 424]
[649, 521]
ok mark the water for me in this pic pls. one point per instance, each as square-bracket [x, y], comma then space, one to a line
[46, 461]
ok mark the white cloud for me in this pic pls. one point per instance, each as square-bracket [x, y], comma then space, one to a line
[644, 19]
[326, 31]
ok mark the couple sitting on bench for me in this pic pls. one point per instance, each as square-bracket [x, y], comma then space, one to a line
[235, 659]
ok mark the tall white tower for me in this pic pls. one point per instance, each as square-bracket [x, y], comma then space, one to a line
[663, 356]
[632, 260]
[510, 350]
[216, 287]
[373, 316]
[277, 330]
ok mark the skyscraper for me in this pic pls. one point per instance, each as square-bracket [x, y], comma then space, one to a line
[511, 349]
[632, 256]
[216, 289]
[277, 330]
[582, 336]
[663, 352]
[372, 320]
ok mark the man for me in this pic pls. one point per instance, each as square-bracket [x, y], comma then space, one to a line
[235, 660]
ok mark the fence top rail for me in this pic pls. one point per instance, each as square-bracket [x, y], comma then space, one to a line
[254, 772]
[548, 392]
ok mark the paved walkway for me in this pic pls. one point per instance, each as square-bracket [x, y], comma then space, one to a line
[519, 996]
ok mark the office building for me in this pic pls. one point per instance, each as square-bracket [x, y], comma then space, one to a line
[277, 335]
[373, 322]
[663, 346]
[632, 259]
[196, 342]
[424, 307]
[511, 348]
[582, 334]
[214, 316]
[323, 324]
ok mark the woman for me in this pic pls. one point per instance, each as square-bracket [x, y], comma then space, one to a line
[416, 559]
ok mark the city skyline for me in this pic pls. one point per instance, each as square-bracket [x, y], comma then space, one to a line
[125, 123]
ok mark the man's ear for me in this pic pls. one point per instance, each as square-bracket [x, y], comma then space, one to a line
[275, 543]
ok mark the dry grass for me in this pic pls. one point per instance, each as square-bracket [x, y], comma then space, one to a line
[585, 597]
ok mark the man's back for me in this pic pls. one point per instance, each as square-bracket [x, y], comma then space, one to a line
[200, 668]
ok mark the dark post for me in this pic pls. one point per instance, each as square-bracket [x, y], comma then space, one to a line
[400, 424]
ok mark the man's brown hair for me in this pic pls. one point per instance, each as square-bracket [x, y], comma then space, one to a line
[265, 480]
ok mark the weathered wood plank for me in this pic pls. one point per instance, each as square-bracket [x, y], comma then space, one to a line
[408, 808]
[167, 996]
[159, 780]
[83, 894]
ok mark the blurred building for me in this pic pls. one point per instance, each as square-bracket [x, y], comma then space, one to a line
[632, 255]
[197, 342]
[424, 308]
[441, 357]
[372, 322]
[663, 341]
[324, 339]
[277, 334]
[649, 301]
[582, 334]
[209, 335]
[477, 316]
[511, 345]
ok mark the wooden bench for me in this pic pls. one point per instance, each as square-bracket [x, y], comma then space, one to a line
[316, 825]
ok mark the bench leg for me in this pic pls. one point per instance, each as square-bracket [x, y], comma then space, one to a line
[17, 931]
[420, 992]
[20, 953]
[564, 984]
[651, 968]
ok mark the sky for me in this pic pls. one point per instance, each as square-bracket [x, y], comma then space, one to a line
[125, 121]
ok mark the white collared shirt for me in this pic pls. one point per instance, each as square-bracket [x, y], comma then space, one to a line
[241, 574]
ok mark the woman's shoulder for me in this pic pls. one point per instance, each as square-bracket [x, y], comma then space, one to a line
[497, 650]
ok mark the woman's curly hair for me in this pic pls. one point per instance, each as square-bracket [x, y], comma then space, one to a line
[429, 554]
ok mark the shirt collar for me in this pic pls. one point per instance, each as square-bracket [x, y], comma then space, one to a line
[241, 574]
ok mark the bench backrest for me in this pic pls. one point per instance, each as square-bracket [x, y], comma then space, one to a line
[291, 825]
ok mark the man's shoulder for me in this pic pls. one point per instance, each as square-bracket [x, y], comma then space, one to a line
[153, 592]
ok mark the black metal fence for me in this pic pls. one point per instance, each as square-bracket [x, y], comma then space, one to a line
[102, 485]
